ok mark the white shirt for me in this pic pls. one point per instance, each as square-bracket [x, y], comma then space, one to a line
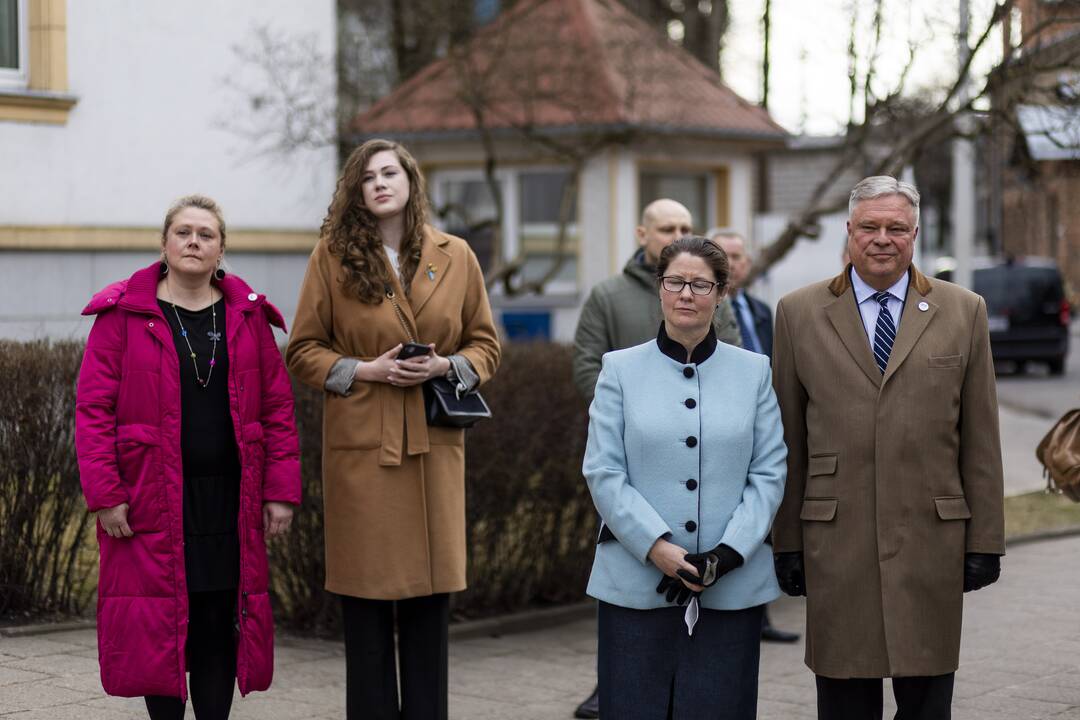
[392, 254]
[869, 308]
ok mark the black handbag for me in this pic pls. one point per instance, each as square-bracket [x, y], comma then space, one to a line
[444, 404]
[446, 407]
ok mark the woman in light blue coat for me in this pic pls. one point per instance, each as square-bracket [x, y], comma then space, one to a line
[686, 465]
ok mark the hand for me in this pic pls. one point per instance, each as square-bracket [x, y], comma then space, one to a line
[711, 565]
[677, 591]
[114, 521]
[980, 570]
[669, 558]
[277, 517]
[417, 370]
[378, 370]
[790, 573]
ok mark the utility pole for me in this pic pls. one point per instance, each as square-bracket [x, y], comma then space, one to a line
[963, 165]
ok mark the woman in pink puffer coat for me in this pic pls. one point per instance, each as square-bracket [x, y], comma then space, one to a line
[189, 456]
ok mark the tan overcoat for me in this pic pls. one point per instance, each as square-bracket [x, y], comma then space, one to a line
[891, 479]
[393, 488]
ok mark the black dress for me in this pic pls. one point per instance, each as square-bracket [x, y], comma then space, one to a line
[211, 460]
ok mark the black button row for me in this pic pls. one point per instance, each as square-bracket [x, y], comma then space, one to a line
[691, 484]
[690, 526]
[691, 441]
[690, 403]
[688, 371]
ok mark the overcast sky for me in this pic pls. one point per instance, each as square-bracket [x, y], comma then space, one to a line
[809, 77]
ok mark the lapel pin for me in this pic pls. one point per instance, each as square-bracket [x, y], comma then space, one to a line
[924, 306]
[431, 269]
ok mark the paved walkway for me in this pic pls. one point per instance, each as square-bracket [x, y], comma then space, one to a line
[1020, 659]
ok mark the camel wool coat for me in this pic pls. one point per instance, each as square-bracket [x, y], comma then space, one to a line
[891, 478]
[393, 488]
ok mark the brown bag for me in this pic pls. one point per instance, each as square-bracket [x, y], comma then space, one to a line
[1059, 452]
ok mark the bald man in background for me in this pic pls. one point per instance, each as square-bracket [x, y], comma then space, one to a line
[624, 310]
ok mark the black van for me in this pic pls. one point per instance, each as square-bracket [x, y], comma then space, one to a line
[1028, 312]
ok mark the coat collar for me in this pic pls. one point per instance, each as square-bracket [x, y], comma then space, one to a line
[434, 265]
[842, 282]
[640, 271]
[139, 294]
[702, 352]
[843, 313]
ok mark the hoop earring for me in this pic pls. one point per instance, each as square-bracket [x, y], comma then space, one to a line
[163, 268]
[219, 273]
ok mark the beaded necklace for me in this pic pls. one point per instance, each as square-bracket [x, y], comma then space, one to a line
[214, 336]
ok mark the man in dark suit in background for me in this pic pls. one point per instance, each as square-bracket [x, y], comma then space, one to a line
[756, 327]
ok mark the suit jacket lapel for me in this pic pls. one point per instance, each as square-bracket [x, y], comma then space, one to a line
[843, 313]
[913, 322]
[434, 264]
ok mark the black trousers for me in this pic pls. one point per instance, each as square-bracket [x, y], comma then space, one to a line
[371, 690]
[211, 653]
[926, 697]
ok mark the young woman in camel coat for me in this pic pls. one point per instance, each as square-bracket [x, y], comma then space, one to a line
[394, 487]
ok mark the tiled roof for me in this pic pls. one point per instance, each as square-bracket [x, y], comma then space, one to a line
[578, 65]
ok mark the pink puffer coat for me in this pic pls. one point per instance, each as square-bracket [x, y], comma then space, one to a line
[127, 434]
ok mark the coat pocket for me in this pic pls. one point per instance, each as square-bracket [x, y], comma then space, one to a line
[952, 507]
[355, 422]
[946, 361]
[819, 509]
[138, 456]
[821, 465]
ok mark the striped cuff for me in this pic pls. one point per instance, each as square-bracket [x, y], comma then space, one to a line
[340, 378]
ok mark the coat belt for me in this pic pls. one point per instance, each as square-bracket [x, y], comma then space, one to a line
[404, 423]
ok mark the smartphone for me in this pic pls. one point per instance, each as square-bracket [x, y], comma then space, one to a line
[411, 350]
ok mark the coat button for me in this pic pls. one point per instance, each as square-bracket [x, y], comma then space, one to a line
[691, 484]
[690, 526]
[252, 297]
[688, 371]
[150, 324]
[690, 403]
[691, 441]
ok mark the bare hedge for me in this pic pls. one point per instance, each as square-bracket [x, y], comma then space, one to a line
[531, 524]
[45, 562]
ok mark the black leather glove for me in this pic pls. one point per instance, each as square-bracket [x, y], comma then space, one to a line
[790, 573]
[674, 590]
[711, 565]
[980, 570]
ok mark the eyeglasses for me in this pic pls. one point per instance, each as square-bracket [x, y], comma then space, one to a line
[676, 284]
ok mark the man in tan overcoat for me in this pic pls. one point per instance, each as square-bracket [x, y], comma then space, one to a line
[893, 507]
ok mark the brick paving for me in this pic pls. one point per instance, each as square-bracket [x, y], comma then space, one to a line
[1020, 660]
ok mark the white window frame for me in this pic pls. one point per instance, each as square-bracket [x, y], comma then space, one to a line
[508, 178]
[17, 78]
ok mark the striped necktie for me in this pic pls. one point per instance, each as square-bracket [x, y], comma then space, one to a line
[885, 332]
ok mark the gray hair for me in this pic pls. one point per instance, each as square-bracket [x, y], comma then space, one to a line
[724, 232]
[880, 185]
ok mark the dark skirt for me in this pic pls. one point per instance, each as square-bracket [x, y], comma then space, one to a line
[650, 669]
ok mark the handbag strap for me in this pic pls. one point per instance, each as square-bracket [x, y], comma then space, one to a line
[400, 315]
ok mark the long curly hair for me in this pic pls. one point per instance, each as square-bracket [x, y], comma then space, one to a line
[352, 231]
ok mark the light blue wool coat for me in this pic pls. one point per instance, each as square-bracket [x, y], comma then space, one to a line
[638, 461]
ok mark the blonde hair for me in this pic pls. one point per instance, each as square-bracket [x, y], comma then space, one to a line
[202, 202]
